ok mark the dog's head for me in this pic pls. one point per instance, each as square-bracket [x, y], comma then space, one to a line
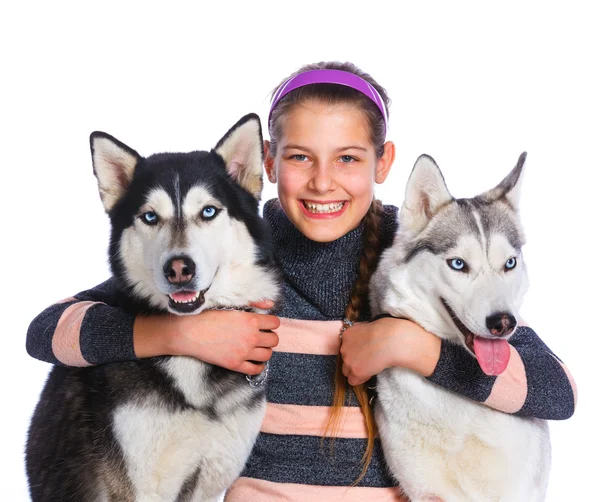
[460, 261]
[182, 222]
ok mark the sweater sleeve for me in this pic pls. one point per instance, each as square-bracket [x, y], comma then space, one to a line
[89, 328]
[535, 383]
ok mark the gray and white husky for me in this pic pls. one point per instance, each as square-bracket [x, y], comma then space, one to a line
[456, 269]
[185, 236]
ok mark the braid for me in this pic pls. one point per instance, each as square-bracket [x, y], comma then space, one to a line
[368, 262]
[356, 304]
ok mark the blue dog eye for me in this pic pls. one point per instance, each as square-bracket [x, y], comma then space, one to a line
[510, 263]
[209, 212]
[457, 264]
[150, 218]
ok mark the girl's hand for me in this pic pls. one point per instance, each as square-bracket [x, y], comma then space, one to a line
[369, 348]
[236, 340]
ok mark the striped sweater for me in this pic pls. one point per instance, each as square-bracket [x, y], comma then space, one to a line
[290, 460]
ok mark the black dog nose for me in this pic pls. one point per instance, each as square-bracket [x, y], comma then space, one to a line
[501, 323]
[179, 270]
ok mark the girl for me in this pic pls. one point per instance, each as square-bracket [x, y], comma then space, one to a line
[327, 126]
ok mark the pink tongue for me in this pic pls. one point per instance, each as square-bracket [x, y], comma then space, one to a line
[184, 296]
[492, 355]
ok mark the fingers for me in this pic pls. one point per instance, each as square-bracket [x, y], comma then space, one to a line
[237, 340]
[347, 372]
[267, 339]
[245, 320]
[354, 381]
[352, 378]
[251, 368]
[266, 321]
[260, 355]
[256, 361]
[263, 304]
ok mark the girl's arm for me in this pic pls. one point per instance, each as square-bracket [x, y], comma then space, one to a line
[90, 328]
[535, 384]
[85, 329]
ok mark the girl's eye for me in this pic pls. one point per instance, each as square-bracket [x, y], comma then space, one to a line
[510, 263]
[149, 218]
[457, 264]
[300, 157]
[209, 212]
[346, 159]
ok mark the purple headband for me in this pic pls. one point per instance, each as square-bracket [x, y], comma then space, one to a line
[330, 77]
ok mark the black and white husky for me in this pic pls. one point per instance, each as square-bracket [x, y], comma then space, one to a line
[456, 269]
[186, 236]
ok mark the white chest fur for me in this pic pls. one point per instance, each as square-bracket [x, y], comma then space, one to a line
[438, 443]
[162, 448]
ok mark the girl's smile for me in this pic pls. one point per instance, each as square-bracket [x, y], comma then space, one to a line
[322, 209]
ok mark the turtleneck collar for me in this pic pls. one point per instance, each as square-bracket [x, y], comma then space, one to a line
[318, 276]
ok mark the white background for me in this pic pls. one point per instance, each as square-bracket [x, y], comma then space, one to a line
[471, 85]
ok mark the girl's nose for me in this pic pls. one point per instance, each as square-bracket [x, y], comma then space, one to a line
[322, 178]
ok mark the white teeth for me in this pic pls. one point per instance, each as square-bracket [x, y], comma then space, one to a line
[196, 295]
[333, 207]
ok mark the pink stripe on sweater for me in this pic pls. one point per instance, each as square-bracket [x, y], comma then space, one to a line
[67, 300]
[309, 337]
[257, 490]
[312, 420]
[510, 388]
[65, 341]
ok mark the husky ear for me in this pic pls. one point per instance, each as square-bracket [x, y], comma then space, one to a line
[242, 150]
[510, 187]
[426, 193]
[114, 164]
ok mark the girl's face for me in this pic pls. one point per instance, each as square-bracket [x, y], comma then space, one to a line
[325, 168]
